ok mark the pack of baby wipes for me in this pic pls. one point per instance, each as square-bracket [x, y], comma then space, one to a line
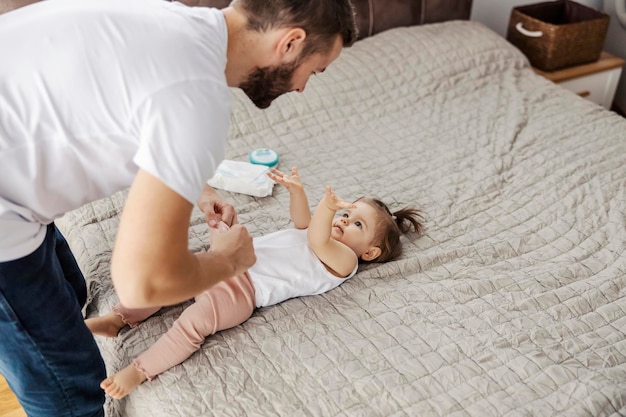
[242, 177]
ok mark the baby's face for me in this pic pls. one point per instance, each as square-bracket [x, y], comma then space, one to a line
[356, 227]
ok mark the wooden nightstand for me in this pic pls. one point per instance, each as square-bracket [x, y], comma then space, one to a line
[596, 81]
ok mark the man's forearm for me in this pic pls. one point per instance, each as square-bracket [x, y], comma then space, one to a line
[196, 273]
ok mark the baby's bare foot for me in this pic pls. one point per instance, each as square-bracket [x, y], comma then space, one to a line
[124, 382]
[109, 325]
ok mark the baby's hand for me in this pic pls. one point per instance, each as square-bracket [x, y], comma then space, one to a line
[290, 182]
[333, 202]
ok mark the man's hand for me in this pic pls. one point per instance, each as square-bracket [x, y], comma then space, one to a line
[216, 209]
[151, 263]
[235, 244]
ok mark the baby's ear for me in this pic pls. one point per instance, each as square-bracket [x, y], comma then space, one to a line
[371, 253]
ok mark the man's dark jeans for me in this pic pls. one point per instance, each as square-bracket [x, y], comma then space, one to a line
[47, 354]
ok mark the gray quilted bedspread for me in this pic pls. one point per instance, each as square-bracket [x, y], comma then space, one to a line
[512, 304]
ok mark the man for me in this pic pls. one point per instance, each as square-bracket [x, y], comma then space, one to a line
[99, 95]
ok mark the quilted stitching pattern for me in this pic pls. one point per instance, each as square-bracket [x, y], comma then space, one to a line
[513, 304]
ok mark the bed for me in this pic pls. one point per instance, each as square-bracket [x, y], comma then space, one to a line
[512, 304]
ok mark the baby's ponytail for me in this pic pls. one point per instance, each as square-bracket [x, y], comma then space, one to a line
[409, 218]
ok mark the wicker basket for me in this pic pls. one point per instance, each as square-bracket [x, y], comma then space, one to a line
[558, 34]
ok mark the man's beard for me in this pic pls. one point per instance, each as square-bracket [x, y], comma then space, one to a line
[263, 85]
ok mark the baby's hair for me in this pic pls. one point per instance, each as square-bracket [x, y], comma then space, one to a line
[391, 225]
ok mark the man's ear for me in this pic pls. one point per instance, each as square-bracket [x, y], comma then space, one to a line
[371, 253]
[290, 44]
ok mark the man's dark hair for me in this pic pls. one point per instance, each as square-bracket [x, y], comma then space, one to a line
[322, 20]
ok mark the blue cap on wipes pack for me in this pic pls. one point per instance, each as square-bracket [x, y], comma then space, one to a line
[264, 156]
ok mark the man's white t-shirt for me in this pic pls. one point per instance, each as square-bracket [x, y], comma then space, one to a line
[91, 91]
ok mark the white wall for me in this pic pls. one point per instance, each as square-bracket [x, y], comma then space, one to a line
[496, 13]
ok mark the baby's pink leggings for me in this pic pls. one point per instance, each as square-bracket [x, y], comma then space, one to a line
[224, 305]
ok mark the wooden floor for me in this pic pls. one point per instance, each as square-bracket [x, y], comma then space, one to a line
[9, 407]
